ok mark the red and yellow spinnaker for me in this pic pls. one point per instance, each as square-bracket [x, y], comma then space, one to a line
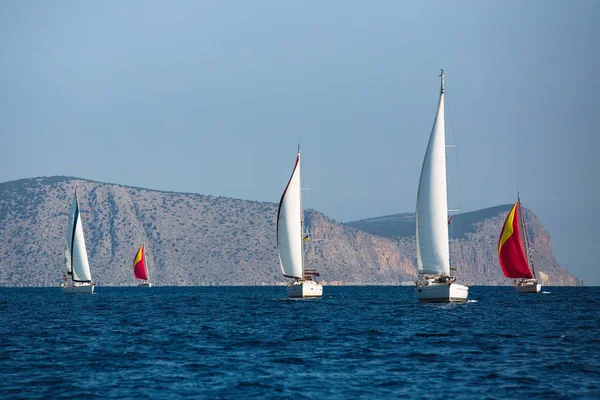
[510, 248]
[139, 265]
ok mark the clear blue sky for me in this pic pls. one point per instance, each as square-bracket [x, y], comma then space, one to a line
[212, 97]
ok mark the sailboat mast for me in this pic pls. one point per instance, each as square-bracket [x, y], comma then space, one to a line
[73, 228]
[301, 212]
[145, 263]
[442, 89]
[525, 235]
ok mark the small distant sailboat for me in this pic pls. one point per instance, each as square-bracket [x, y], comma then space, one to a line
[434, 283]
[290, 239]
[139, 268]
[514, 251]
[78, 279]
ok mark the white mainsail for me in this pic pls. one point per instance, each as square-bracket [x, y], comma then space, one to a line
[289, 227]
[76, 257]
[433, 255]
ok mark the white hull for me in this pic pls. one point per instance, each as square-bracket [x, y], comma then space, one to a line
[528, 287]
[304, 288]
[145, 284]
[78, 289]
[442, 292]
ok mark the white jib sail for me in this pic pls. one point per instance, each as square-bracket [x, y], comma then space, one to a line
[433, 256]
[76, 245]
[289, 227]
[68, 259]
[69, 236]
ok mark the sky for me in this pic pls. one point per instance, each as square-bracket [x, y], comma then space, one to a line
[213, 97]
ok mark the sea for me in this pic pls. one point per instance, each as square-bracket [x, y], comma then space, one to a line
[357, 342]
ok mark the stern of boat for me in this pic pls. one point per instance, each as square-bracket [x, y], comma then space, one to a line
[304, 288]
[433, 291]
[77, 289]
[528, 286]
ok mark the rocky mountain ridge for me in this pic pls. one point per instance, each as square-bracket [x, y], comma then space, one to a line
[194, 239]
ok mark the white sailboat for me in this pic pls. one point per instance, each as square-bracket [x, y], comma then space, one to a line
[435, 284]
[78, 279]
[290, 240]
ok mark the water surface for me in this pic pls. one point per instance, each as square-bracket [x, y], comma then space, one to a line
[355, 342]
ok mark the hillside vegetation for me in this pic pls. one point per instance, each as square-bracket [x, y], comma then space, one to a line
[194, 239]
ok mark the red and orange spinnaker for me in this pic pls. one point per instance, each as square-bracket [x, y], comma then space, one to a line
[139, 265]
[510, 248]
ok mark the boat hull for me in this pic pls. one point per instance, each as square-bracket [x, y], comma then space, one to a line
[145, 284]
[77, 289]
[304, 288]
[528, 287]
[442, 293]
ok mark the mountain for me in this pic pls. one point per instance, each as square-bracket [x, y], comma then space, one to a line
[403, 225]
[474, 243]
[194, 239]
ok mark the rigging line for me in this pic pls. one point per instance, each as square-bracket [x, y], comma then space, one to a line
[456, 149]
[529, 255]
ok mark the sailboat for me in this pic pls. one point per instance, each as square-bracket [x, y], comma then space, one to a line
[514, 251]
[434, 283]
[290, 240]
[139, 268]
[78, 279]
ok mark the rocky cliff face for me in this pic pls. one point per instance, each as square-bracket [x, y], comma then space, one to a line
[190, 239]
[474, 245]
[195, 239]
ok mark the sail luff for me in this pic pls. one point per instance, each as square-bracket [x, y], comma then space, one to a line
[521, 226]
[68, 260]
[289, 227]
[145, 264]
[525, 236]
[301, 214]
[69, 237]
[433, 255]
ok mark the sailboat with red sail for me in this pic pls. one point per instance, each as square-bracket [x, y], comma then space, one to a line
[514, 251]
[139, 268]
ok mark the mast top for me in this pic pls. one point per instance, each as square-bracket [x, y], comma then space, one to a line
[298, 148]
[441, 75]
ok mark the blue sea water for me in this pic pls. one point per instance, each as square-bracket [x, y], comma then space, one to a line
[253, 342]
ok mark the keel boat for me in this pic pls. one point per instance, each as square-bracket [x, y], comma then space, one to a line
[514, 251]
[290, 240]
[78, 279]
[139, 268]
[435, 283]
